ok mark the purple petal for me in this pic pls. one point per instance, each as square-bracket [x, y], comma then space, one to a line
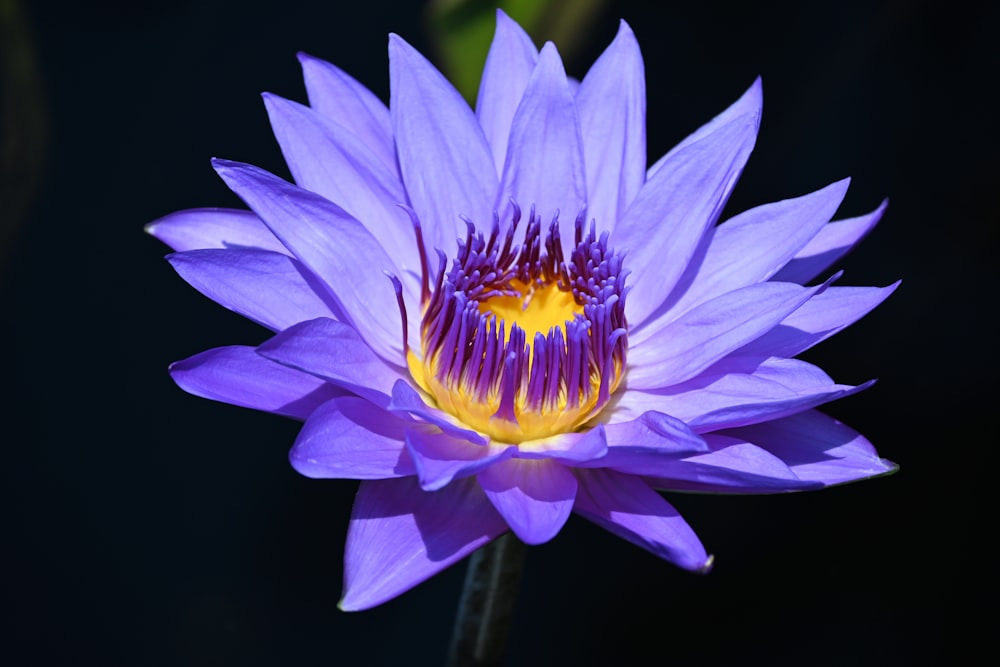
[831, 243]
[627, 507]
[750, 102]
[751, 247]
[327, 159]
[817, 448]
[198, 228]
[333, 351]
[679, 203]
[733, 466]
[406, 400]
[340, 98]
[445, 161]
[509, 65]
[335, 246]
[351, 438]
[723, 400]
[819, 318]
[544, 166]
[272, 289]
[401, 535]
[638, 447]
[441, 458]
[711, 330]
[535, 498]
[239, 376]
[569, 448]
[611, 102]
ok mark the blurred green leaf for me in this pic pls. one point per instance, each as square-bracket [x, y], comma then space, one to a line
[463, 29]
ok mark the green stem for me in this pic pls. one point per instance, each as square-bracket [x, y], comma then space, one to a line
[479, 637]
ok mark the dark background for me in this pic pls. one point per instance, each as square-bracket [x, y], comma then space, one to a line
[149, 527]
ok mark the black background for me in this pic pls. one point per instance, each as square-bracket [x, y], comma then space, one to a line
[148, 527]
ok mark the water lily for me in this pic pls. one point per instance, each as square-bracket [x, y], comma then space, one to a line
[497, 318]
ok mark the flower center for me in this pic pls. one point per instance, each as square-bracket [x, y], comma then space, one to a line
[518, 343]
[534, 308]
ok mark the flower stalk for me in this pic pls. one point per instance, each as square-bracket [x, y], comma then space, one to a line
[485, 610]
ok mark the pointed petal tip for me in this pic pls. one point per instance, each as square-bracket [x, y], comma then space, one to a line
[707, 565]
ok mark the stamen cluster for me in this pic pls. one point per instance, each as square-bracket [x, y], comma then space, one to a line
[484, 369]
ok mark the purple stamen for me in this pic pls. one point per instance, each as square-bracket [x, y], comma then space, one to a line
[466, 349]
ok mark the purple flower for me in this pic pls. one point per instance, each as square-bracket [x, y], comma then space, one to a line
[497, 318]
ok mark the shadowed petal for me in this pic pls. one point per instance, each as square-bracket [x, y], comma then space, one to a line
[445, 161]
[340, 98]
[831, 243]
[239, 376]
[509, 65]
[198, 228]
[711, 330]
[335, 246]
[441, 458]
[401, 535]
[819, 318]
[733, 466]
[611, 102]
[817, 448]
[327, 159]
[534, 497]
[349, 437]
[626, 506]
[270, 288]
[664, 226]
[333, 351]
[544, 166]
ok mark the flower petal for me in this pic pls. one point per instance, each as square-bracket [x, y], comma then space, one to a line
[750, 248]
[733, 466]
[638, 447]
[400, 535]
[611, 102]
[441, 458]
[723, 400]
[567, 447]
[544, 166]
[626, 506]
[335, 352]
[509, 65]
[327, 159]
[340, 98]
[679, 203]
[197, 228]
[831, 243]
[535, 498]
[405, 399]
[817, 448]
[711, 330]
[819, 318]
[335, 246]
[270, 288]
[239, 376]
[750, 102]
[351, 438]
[445, 161]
